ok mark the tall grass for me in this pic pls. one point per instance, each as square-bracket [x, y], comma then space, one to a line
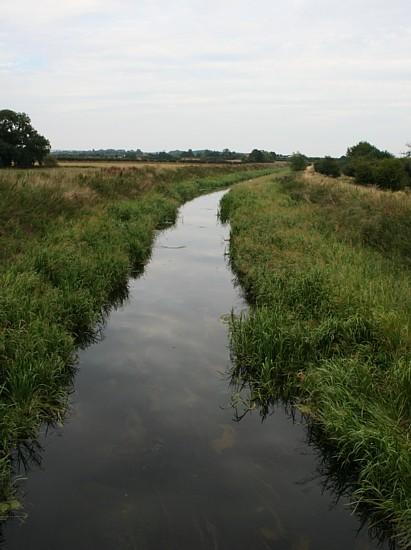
[329, 325]
[69, 241]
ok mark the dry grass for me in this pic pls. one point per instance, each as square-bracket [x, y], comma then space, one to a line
[312, 177]
[361, 215]
[123, 164]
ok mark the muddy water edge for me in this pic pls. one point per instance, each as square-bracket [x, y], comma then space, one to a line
[150, 457]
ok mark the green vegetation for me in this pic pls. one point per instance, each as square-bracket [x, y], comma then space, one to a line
[69, 239]
[258, 155]
[326, 268]
[20, 144]
[370, 166]
[298, 162]
[201, 155]
[328, 166]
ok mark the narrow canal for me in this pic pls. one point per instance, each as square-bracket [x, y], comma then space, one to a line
[150, 457]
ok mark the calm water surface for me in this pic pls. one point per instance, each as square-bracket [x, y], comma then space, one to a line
[150, 457]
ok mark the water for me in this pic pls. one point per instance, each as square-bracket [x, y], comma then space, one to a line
[150, 457]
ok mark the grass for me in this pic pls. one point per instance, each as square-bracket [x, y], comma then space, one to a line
[69, 240]
[326, 268]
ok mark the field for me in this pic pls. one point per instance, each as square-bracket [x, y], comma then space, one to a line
[141, 165]
[326, 267]
[70, 237]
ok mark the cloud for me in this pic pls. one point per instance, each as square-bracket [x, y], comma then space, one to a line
[259, 74]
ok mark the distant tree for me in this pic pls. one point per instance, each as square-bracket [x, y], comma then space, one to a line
[227, 155]
[20, 144]
[365, 149]
[256, 156]
[298, 162]
[163, 157]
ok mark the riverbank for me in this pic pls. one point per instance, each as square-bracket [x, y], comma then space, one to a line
[326, 268]
[69, 240]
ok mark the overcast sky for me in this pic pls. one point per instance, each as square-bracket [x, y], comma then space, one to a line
[283, 75]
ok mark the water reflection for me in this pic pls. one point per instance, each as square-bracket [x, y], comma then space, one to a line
[149, 457]
[337, 481]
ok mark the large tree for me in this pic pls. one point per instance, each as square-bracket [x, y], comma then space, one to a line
[20, 144]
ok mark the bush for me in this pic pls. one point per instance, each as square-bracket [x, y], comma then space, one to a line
[388, 173]
[298, 162]
[328, 166]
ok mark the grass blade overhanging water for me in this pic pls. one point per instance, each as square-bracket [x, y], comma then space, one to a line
[326, 269]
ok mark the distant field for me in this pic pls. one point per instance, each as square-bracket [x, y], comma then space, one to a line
[142, 164]
[125, 164]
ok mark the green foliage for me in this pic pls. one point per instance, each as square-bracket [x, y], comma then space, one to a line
[298, 162]
[256, 156]
[328, 166]
[363, 149]
[328, 328]
[388, 173]
[371, 166]
[20, 144]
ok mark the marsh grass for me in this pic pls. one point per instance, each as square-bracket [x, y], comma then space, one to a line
[69, 240]
[329, 325]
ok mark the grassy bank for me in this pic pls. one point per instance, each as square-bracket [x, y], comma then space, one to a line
[69, 239]
[326, 269]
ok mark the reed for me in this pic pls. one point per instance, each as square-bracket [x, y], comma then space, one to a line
[69, 240]
[328, 329]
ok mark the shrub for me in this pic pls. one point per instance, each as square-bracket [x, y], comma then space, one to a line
[328, 166]
[363, 149]
[298, 162]
[389, 173]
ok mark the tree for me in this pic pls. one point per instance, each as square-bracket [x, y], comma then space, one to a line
[256, 156]
[20, 144]
[298, 162]
[365, 149]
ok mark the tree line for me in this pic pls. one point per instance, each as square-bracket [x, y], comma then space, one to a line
[365, 163]
[202, 155]
[22, 146]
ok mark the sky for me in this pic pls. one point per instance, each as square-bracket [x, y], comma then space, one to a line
[282, 75]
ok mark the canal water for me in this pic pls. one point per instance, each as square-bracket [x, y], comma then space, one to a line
[150, 457]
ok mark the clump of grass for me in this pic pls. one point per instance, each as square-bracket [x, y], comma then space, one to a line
[329, 326]
[69, 240]
[362, 216]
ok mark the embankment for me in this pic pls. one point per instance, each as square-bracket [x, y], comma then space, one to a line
[326, 269]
